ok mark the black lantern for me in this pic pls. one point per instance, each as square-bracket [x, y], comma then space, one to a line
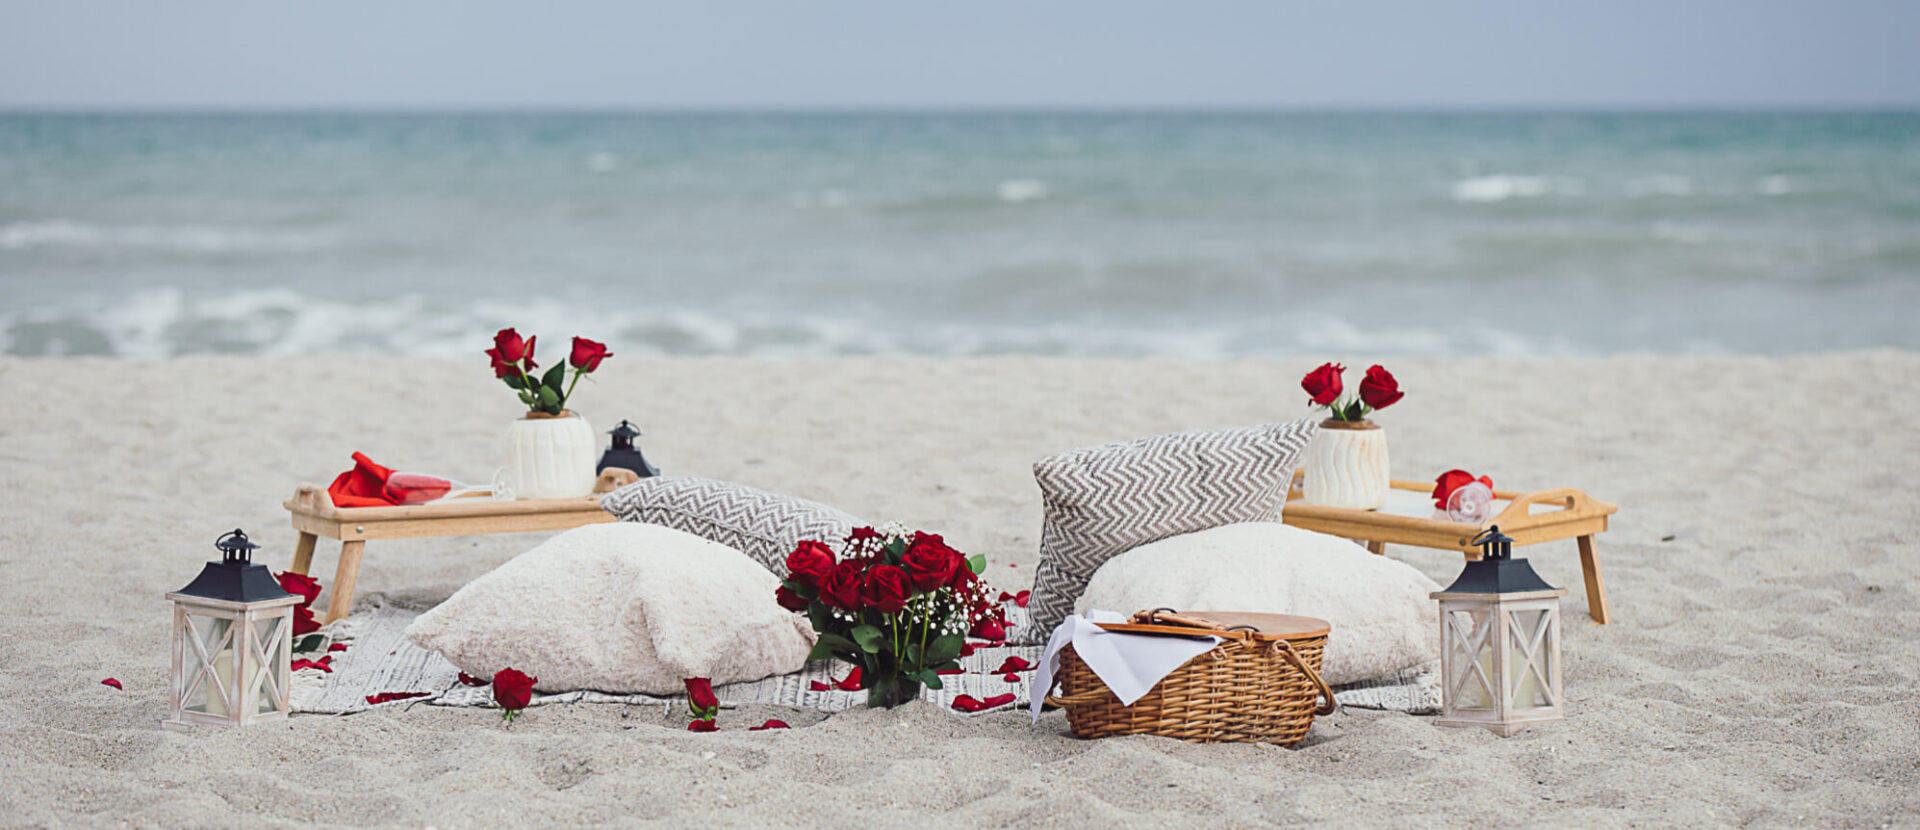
[624, 454]
[232, 642]
[1499, 642]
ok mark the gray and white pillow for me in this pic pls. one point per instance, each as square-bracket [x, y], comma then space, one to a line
[1103, 501]
[764, 526]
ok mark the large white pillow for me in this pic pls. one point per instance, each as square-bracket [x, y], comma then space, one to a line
[620, 607]
[1383, 620]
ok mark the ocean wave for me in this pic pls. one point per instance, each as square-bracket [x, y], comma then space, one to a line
[1499, 188]
[1661, 185]
[1022, 190]
[186, 238]
[169, 322]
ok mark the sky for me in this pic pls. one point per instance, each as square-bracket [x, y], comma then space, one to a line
[827, 54]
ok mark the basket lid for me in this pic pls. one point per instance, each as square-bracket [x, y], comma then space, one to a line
[1262, 627]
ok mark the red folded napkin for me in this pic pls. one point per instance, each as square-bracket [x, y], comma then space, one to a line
[363, 486]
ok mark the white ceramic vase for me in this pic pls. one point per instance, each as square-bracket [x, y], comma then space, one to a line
[551, 456]
[1347, 465]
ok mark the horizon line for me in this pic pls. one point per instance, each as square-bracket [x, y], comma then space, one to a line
[966, 109]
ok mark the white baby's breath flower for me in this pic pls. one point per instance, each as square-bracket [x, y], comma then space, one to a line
[895, 530]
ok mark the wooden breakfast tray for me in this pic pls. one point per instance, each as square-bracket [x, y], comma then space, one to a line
[314, 515]
[1528, 517]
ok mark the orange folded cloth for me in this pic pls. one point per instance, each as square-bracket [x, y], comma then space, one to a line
[363, 486]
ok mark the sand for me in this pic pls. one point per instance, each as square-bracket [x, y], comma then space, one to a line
[1762, 667]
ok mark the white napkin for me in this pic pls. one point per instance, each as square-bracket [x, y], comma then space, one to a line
[1130, 664]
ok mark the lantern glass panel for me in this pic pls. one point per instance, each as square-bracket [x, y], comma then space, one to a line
[209, 664]
[263, 691]
[1531, 663]
[1471, 659]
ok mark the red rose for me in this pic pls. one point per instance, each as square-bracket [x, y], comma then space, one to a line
[841, 589]
[1378, 389]
[885, 589]
[513, 689]
[507, 346]
[1452, 480]
[703, 725]
[528, 360]
[788, 599]
[700, 697]
[303, 621]
[1323, 384]
[810, 563]
[501, 366]
[587, 354]
[305, 587]
[930, 563]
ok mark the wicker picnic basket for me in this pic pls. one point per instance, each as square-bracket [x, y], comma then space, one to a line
[1262, 683]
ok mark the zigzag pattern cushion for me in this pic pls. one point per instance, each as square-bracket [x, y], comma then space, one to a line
[764, 526]
[1103, 501]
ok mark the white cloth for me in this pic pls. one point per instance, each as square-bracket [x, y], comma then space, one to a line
[1130, 664]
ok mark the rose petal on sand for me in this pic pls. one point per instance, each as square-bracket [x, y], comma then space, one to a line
[772, 723]
[389, 697]
[112, 682]
[703, 725]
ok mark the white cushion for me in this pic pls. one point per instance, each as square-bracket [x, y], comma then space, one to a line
[1383, 620]
[620, 607]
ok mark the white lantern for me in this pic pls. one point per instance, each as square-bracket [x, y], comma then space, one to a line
[232, 642]
[1500, 643]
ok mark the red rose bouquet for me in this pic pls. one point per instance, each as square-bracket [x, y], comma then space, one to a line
[898, 607]
[1378, 390]
[547, 393]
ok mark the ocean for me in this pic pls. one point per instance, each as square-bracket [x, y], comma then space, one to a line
[1180, 235]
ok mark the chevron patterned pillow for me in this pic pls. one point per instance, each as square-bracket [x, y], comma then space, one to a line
[1104, 501]
[764, 526]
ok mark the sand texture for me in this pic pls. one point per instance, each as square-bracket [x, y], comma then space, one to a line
[1762, 667]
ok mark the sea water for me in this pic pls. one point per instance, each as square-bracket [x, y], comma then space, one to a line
[1185, 235]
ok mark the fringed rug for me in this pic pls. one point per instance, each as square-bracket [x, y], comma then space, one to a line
[379, 663]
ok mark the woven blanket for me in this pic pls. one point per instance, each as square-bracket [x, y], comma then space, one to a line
[379, 659]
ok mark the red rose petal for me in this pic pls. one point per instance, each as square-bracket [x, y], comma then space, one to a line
[966, 649]
[112, 682]
[989, 630]
[851, 683]
[967, 703]
[470, 680]
[1014, 663]
[770, 724]
[818, 686]
[324, 664]
[704, 725]
[950, 671]
[998, 700]
[337, 647]
[1010, 677]
[389, 697]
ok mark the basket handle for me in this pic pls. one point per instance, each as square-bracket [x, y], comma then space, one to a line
[1286, 650]
[1075, 700]
[1168, 616]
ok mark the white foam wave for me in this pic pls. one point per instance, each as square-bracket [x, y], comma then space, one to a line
[1775, 186]
[1661, 185]
[1022, 190]
[188, 238]
[1499, 188]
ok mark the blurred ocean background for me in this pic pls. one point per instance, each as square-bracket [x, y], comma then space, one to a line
[1175, 235]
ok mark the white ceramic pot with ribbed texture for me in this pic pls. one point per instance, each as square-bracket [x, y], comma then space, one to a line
[1347, 465]
[551, 456]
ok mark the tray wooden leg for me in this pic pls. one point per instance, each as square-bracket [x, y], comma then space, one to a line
[1596, 589]
[303, 553]
[343, 579]
[1377, 548]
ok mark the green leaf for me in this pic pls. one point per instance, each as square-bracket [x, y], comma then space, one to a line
[311, 642]
[977, 563]
[928, 678]
[820, 616]
[870, 638]
[548, 397]
[838, 642]
[821, 651]
[526, 397]
[943, 648]
[514, 380]
[555, 378]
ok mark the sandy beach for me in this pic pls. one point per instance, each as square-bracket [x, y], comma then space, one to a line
[1763, 667]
